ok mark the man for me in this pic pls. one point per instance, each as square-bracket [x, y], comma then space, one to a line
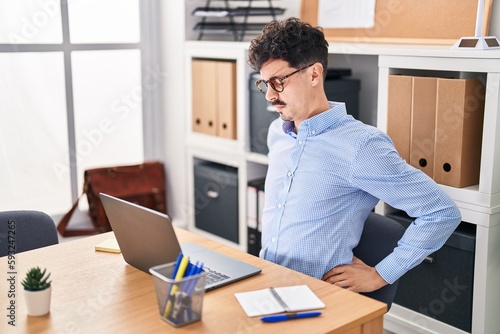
[327, 171]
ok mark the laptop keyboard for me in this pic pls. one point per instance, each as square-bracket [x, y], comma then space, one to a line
[212, 276]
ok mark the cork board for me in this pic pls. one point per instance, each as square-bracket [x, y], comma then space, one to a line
[409, 21]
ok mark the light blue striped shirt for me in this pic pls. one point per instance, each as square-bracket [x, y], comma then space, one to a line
[323, 182]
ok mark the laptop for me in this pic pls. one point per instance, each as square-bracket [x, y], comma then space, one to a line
[147, 238]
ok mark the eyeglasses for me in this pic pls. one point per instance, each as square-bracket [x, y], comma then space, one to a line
[276, 83]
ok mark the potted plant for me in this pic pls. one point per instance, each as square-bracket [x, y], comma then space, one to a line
[37, 291]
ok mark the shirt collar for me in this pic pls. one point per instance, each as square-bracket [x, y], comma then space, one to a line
[319, 123]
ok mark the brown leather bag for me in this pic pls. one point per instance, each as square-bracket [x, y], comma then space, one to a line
[142, 184]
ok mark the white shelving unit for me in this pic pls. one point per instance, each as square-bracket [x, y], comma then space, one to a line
[479, 204]
[228, 152]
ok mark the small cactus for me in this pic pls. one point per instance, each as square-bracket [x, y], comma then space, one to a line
[36, 280]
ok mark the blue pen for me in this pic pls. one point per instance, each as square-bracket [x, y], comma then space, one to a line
[192, 271]
[199, 269]
[176, 266]
[289, 316]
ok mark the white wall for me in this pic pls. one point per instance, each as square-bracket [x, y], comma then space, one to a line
[172, 36]
[173, 23]
[495, 20]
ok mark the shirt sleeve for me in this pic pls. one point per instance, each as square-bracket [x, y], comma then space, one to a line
[380, 171]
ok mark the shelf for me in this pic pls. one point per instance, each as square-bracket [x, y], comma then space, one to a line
[227, 27]
[225, 18]
[238, 11]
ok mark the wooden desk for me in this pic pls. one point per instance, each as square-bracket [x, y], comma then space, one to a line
[97, 292]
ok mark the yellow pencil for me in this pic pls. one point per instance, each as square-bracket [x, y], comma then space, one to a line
[180, 274]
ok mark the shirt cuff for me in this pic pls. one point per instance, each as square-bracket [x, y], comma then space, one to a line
[389, 270]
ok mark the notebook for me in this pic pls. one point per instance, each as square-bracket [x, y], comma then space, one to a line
[147, 238]
[277, 300]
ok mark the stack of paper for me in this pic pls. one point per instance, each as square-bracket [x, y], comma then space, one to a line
[108, 245]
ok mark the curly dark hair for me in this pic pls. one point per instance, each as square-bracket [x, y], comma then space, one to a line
[292, 40]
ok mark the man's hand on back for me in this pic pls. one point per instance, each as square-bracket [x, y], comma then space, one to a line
[357, 277]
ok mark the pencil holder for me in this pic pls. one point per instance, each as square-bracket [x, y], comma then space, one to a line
[179, 301]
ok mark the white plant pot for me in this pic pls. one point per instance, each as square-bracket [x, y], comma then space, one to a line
[38, 302]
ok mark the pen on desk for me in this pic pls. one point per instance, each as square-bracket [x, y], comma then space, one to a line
[289, 316]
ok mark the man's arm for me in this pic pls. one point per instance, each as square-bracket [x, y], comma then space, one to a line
[379, 170]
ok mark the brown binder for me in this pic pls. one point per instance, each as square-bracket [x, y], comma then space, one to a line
[204, 96]
[226, 99]
[459, 130]
[423, 124]
[399, 113]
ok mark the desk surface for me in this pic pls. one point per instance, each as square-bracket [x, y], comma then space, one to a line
[94, 292]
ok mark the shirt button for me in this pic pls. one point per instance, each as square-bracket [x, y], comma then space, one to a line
[313, 132]
[273, 239]
[279, 205]
[300, 142]
[290, 174]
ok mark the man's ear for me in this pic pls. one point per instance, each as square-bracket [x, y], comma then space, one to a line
[317, 74]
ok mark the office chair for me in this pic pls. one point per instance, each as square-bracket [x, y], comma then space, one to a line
[379, 238]
[32, 229]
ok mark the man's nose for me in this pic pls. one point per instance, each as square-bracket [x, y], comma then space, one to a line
[271, 94]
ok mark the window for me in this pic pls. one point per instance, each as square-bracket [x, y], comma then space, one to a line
[79, 88]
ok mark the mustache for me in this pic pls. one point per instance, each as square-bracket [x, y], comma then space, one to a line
[278, 103]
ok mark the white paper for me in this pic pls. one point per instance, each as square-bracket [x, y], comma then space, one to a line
[222, 13]
[262, 302]
[346, 13]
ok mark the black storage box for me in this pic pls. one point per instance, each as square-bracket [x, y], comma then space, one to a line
[341, 89]
[216, 199]
[441, 287]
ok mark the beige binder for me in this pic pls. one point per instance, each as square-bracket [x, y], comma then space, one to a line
[423, 124]
[399, 113]
[204, 96]
[226, 98]
[459, 129]
[214, 97]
